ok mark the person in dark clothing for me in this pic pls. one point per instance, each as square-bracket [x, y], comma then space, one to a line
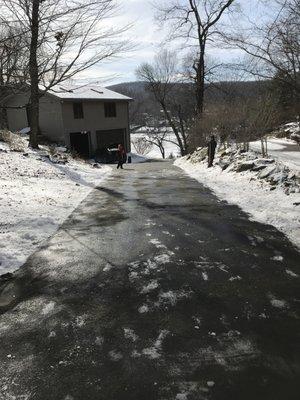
[211, 151]
[121, 154]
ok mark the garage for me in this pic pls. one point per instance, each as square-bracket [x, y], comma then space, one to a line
[110, 138]
[80, 143]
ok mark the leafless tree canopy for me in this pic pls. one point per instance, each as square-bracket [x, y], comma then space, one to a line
[72, 37]
[274, 47]
[194, 23]
[65, 37]
[141, 145]
[162, 78]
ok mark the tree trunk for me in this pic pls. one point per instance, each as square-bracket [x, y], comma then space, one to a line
[34, 75]
[266, 147]
[200, 81]
[174, 129]
[3, 118]
[262, 147]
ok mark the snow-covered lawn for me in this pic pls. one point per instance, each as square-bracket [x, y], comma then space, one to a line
[285, 150]
[36, 196]
[253, 196]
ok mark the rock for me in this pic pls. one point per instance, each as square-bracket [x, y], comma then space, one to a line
[296, 137]
[223, 164]
[259, 167]
[96, 165]
[267, 172]
[6, 277]
[264, 161]
[199, 155]
[278, 178]
[245, 166]
[58, 159]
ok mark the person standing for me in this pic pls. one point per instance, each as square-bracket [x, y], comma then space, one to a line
[121, 154]
[211, 151]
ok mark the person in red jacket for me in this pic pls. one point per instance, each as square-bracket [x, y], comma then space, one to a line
[121, 154]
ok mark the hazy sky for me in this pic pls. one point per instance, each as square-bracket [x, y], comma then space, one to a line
[147, 36]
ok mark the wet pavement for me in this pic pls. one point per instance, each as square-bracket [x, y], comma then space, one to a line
[154, 289]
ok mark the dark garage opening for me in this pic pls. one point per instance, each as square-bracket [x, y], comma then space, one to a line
[80, 143]
[107, 143]
[106, 139]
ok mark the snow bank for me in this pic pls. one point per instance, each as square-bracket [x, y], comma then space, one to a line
[36, 196]
[251, 194]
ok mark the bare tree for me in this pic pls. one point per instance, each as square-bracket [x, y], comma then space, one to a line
[273, 47]
[237, 120]
[13, 67]
[162, 80]
[141, 145]
[66, 37]
[157, 134]
[196, 23]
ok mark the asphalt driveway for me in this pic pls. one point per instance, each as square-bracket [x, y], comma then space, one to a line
[154, 289]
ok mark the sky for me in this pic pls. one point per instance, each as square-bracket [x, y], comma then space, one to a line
[146, 36]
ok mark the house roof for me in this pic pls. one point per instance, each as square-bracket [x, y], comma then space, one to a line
[67, 92]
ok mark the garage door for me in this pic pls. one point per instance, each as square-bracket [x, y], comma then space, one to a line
[110, 137]
[80, 142]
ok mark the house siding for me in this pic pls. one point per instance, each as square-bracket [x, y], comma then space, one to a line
[57, 120]
[50, 121]
[94, 120]
[17, 118]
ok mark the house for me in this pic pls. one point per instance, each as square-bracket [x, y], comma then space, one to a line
[85, 119]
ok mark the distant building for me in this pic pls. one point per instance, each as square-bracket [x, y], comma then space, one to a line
[85, 119]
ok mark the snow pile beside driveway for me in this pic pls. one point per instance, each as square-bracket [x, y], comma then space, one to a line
[267, 190]
[36, 196]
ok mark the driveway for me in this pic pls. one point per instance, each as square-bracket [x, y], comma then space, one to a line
[154, 289]
[282, 150]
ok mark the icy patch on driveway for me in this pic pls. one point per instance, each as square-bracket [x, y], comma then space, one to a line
[143, 309]
[48, 308]
[172, 297]
[291, 273]
[278, 303]
[115, 355]
[148, 288]
[164, 258]
[153, 352]
[157, 244]
[129, 334]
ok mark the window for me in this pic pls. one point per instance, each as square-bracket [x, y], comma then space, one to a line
[78, 110]
[110, 110]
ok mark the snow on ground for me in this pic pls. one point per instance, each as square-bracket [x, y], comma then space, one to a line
[36, 196]
[284, 150]
[270, 207]
[137, 158]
